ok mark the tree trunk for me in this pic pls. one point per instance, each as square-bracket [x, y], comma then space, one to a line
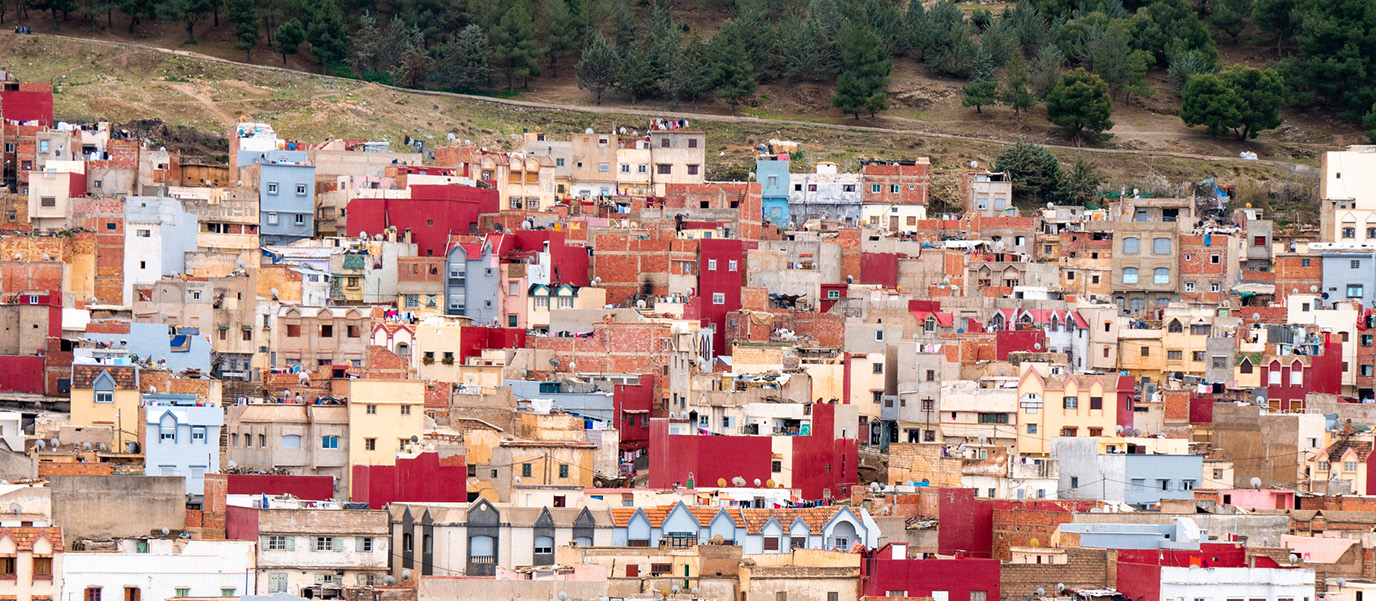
[56, 25]
[190, 32]
[284, 58]
[109, 18]
[248, 55]
[978, 111]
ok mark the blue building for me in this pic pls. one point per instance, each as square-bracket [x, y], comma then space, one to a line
[472, 280]
[182, 438]
[185, 349]
[582, 400]
[1349, 273]
[771, 171]
[286, 194]
[1181, 533]
[1124, 471]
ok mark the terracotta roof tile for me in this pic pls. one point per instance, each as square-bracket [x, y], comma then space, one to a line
[126, 376]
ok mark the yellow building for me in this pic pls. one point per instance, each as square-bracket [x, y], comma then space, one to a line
[384, 415]
[1062, 404]
[108, 395]
[1342, 464]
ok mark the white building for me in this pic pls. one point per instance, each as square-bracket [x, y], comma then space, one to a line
[1271, 584]
[1348, 194]
[11, 430]
[157, 569]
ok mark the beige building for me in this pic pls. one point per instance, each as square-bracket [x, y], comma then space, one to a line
[594, 165]
[51, 191]
[308, 440]
[108, 395]
[385, 416]
[1145, 268]
[320, 336]
[33, 559]
[1348, 193]
[633, 160]
[677, 157]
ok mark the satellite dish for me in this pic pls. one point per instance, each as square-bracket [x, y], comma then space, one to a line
[675, 588]
[273, 292]
[406, 574]
[1313, 288]
[233, 463]
[974, 164]
[388, 580]
[86, 446]
[40, 443]
[517, 479]
[1118, 429]
[738, 481]
[721, 482]
[15, 508]
[1342, 582]
[1040, 591]
[695, 590]
[554, 361]
[55, 443]
[563, 596]
[757, 482]
[1060, 586]
[1256, 482]
[165, 531]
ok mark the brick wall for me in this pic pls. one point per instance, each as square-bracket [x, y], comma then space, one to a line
[1029, 523]
[75, 469]
[918, 462]
[1085, 568]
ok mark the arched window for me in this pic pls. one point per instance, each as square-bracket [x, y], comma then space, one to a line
[1175, 327]
[1161, 275]
[1130, 246]
[1129, 275]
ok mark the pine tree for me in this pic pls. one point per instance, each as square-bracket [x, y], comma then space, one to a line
[1230, 16]
[1080, 185]
[289, 37]
[513, 45]
[864, 72]
[733, 75]
[465, 63]
[638, 75]
[188, 12]
[1209, 101]
[980, 93]
[244, 15]
[327, 34]
[599, 68]
[919, 29]
[1013, 93]
[686, 78]
[560, 32]
[1080, 102]
[1262, 92]
[1045, 71]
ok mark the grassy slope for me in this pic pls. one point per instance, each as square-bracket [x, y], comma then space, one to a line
[121, 84]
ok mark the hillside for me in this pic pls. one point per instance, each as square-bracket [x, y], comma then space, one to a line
[201, 95]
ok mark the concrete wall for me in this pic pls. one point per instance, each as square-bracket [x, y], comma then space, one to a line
[101, 507]
[1253, 527]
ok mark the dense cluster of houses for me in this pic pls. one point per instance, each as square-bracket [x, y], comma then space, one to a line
[583, 370]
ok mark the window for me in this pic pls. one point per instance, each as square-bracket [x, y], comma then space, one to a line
[371, 409]
[1349, 466]
[1173, 355]
[1074, 482]
[1197, 356]
[876, 188]
[604, 167]
[731, 266]
[279, 542]
[325, 543]
[931, 375]
[1129, 275]
[563, 470]
[1296, 375]
[711, 265]
[663, 169]
[1161, 275]
[406, 410]
[1096, 402]
[718, 298]
[272, 188]
[43, 567]
[878, 368]
[833, 294]
[1214, 259]
[525, 470]
[370, 444]
[277, 583]
[1161, 246]
[692, 170]
[1069, 431]
[1130, 246]
[300, 189]
[1031, 428]
[329, 442]
[771, 543]
[105, 397]
[1354, 290]
[928, 404]
[272, 219]
[198, 434]
[1071, 402]
[1146, 351]
[993, 418]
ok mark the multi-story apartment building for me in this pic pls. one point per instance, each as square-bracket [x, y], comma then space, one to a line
[322, 336]
[303, 439]
[303, 545]
[182, 437]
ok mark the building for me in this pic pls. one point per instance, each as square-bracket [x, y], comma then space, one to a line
[32, 558]
[756, 531]
[161, 568]
[303, 439]
[286, 192]
[889, 572]
[107, 395]
[314, 337]
[594, 158]
[303, 544]
[1133, 471]
[988, 193]
[1348, 195]
[385, 416]
[475, 539]
[825, 194]
[1052, 404]
[1145, 266]
[1349, 272]
[182, 437]
[772, 173]
[678, 156]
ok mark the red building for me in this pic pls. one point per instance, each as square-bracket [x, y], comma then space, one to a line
[425, 478]
[889, 572]
[27, 103]
[1289, 378]
[473, 340]
[23, 368]
[831, 294]
[721, 275]
[311, 488]
[430, 216]
[569, 264]
[823, 464]
[1139, 570]
[632, 404]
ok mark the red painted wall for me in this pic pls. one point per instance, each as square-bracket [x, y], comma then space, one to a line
[28, 106]
[241, 523]
[312, 488]
[638, 398]
[967, 524]
[21, 374]
[474, 339]
[568, 264]
[823, 463]
[1201, 411]
[1139, 580]
[879, 268]
[452, 210]
[723, 280]
[920, 577]
[705, 458]
[424, 479]
[1018, 341]
[1125, 401]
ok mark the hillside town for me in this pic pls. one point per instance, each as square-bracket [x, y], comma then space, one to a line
[584, 370]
